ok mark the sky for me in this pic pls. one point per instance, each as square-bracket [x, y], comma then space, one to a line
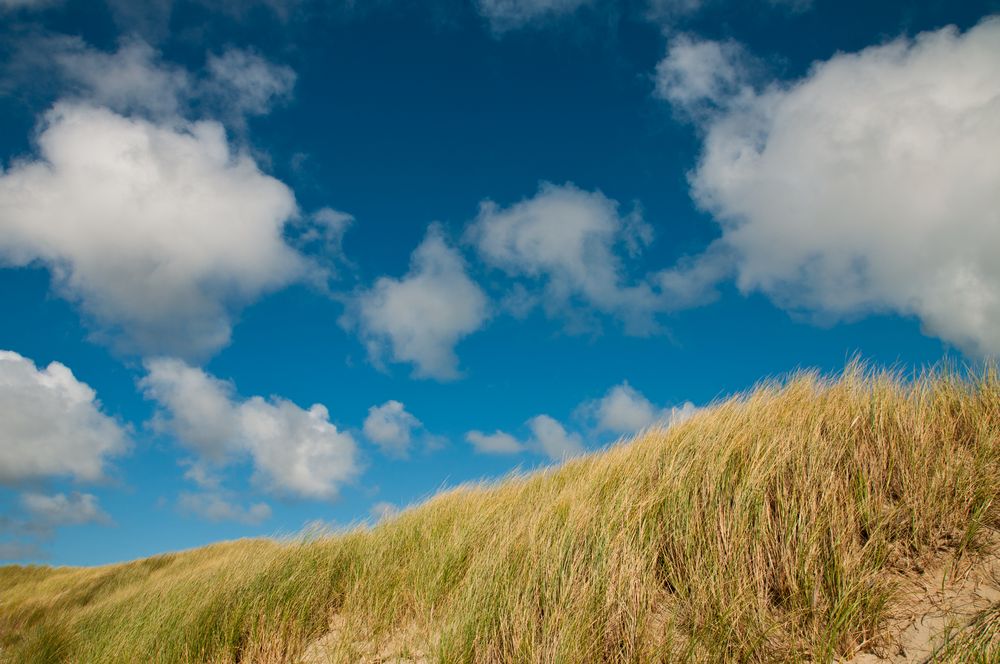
[274, 265]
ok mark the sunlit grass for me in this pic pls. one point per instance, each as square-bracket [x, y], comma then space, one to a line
[765, 528]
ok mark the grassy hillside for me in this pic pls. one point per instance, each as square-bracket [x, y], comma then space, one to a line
[769, 527]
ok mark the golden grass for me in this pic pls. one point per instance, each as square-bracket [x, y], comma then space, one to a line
[766, 528]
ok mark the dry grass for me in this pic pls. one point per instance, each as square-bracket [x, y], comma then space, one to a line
[769, 527]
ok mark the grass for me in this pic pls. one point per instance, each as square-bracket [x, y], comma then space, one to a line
[977, 644]
[769, 527]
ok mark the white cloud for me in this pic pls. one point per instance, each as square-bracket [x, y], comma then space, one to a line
[872, 184]
[293, 450]
[698, 74]
[51, 424]
[135, 79]
[548, 437]
[420, 317]
[199, 409]
[497, 442]
[131, 79]
[552, 439]
[625, 410]
[391, 428]
[62, 510]
[137, 222]
[247, 83]
[570, 241]
[506, 15]
[297, 450]
[216, 506]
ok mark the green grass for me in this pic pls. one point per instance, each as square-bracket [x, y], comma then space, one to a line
[769, 527]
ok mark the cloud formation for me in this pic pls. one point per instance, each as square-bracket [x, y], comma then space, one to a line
[552, 439]
[570, 242]
[870, 185]
[52, 425]
[49, 511]
[136, 209]
[391, 427]
[700, 74]
[548, 438]
[497, 442]
[294, 451]
[217, 506]
[136, 223]
[625, 410]
[420, 317]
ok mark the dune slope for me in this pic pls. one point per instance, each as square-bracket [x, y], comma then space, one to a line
[777, 525]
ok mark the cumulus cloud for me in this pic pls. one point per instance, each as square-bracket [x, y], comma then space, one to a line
[391, 427]
[51, 424]
[420, 317]
[872, 184]
[506, 15]
[293, 450]
[243, 82]
[136, 222]
[552, 438]
[497, 442]
[135, 79]
[625, 410]
[136, 209]
[217, 506]
[697, 74]
[62, 510]
[548, 437]
[570, 242]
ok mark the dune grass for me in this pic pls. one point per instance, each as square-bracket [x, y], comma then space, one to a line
[977, 644]
[768, 527]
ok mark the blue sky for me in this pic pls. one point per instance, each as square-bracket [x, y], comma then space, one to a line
[269, 263]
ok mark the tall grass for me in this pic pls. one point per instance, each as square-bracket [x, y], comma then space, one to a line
[765, 528]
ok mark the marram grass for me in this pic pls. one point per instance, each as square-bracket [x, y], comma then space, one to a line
[768, 527]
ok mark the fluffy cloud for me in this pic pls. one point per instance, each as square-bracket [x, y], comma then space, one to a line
[497, 442]
[548, 437]
[872, 184]
[216, 506]
[570, 241]
[62, 510]
[135, 79]
[506, 15]
[136, 222]
[420, 317]
[552, 438]
[391, 428]
[136, 210]
[245, 83]
[622, 410]
[625, 410]
[699, 73]
[51, 424]
[131, 79]
[293, 450]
